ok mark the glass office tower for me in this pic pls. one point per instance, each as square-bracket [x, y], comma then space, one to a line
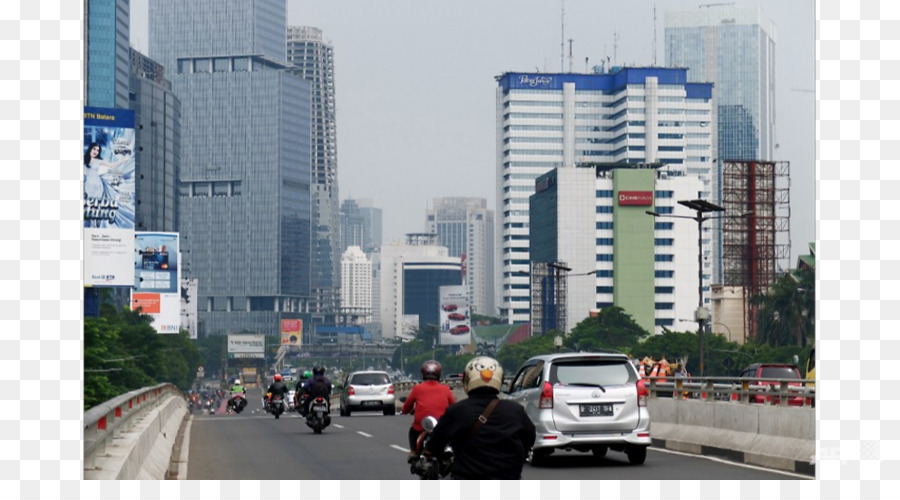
[245, 170]
[107, 53]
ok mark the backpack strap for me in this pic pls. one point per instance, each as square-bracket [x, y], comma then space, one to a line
[482, 418]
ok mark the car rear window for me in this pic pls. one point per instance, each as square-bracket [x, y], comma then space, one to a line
[779, 372]
[370, 379]
[590, 372]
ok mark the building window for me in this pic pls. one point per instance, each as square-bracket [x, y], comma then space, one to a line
[604, 289]
[663, 274]
[663, 258]
[664, 306]
[664, 289]
[604, 257]
[604, 241]
[663, 242]
[604, 209]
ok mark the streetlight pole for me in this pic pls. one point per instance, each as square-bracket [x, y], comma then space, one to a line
[701, 315]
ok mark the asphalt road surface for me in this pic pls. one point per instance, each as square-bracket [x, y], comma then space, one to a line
[255, 446]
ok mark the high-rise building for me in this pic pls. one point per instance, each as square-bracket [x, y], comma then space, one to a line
[466, 227]
[591, 219]
[734, 48]
[106, 49]
[406, 280]
[157, 116]
[356, 286]
[245, 169]
[553, 120]
[360, 225]
[313, 60]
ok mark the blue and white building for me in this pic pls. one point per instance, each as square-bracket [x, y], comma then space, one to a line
[106, 51]
[555, 120]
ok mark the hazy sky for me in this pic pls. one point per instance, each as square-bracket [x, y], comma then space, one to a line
[416, 91]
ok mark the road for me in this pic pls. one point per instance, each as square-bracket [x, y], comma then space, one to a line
[256, 446]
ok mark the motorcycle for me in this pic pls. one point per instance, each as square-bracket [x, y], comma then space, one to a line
[275, 406]
[430, 467]
[236, 404]
[317, 417]
[301, 406]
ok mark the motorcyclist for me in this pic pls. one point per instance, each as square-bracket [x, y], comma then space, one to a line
[276, 389]
[318, 385]
[298, 392]
[428, 398]
[499, 447]
[238, 389]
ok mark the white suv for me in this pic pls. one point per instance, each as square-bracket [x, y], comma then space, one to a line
[586, 402]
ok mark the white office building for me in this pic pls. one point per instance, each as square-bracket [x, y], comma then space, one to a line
[592, 219]
[356, 286]
[554, 120]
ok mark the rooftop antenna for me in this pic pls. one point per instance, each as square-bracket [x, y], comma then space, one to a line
[570, 55]
[562, 40]
[615, 47]
[654, 35]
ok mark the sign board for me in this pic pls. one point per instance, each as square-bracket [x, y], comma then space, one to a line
[456, 328]
[246, 346]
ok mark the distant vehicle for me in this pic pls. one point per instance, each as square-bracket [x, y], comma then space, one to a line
[449, 307]
[593, 402]
[368, 391]
[456, 316]
[453, 377]
[459, 330]
[772, 371]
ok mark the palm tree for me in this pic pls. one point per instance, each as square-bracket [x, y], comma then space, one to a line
[786, 314]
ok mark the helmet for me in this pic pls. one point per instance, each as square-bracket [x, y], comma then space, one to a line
[237, 381]
[319, 370]
[307, 374]
[431, 369]
[277, 377]
[482, 371]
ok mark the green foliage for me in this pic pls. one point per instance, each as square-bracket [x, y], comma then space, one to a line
[786, 314]
[511, 356]
[122, 352]
[613, 328]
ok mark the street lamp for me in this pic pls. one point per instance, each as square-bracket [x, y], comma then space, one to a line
[702, 207]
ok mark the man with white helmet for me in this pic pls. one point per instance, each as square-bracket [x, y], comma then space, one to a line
[490, 437]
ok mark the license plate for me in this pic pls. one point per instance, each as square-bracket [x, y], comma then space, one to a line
[603, 410]
[371, 403]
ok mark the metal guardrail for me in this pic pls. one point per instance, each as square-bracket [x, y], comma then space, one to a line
[105, 421]
[779, 392]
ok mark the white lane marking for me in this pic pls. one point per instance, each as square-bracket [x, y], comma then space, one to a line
[731, 462]
[339, 426]
[361, 433]
[404, 450]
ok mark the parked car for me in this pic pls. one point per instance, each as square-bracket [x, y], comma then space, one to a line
[449, 307]
[772, 371]
[459, 330]
[584, 401]
[456, 316]
[368, 391]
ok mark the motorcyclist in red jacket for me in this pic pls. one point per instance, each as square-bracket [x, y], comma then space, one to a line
[428, 398]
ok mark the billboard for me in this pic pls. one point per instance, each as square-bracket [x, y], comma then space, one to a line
[156, 262]
[189, 306]
[454, 315]
[292, 332]
[164, 308]
[246, 346]
[108, 196]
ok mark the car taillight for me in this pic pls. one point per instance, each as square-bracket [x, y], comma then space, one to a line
[391, 389]
[642, 393]
[546, 397]
[350, 391]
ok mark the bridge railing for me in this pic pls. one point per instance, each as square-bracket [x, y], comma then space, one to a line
[780, 392]
[104, 422]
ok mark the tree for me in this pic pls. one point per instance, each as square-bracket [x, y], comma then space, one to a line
[786, 312]
[612, 328]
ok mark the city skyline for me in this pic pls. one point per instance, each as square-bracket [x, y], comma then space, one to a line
[402, 146]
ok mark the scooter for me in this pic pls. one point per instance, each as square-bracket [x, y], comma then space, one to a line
[236, 404]
[276, 406]
[430, 467]
[318, 418]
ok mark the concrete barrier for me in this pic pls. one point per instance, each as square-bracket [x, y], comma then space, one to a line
[143, 450]
[777, 437]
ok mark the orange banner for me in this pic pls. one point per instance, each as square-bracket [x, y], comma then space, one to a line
[147, 302]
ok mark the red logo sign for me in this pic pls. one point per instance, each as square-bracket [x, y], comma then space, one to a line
[640, 198]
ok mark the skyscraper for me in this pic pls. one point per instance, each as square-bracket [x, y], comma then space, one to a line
[733, 48]
[157, 115]
[466, 227]
[107, 61]
[555, 120]
[245, 171]
[356, 286]
[360, 225]
[313, 60]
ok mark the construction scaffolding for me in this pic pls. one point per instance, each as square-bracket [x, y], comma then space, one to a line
[548, 297]
[755, 248]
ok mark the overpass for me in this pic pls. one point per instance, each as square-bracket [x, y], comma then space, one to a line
[137, 435]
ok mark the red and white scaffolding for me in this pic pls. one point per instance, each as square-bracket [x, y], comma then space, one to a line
[756, 248]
